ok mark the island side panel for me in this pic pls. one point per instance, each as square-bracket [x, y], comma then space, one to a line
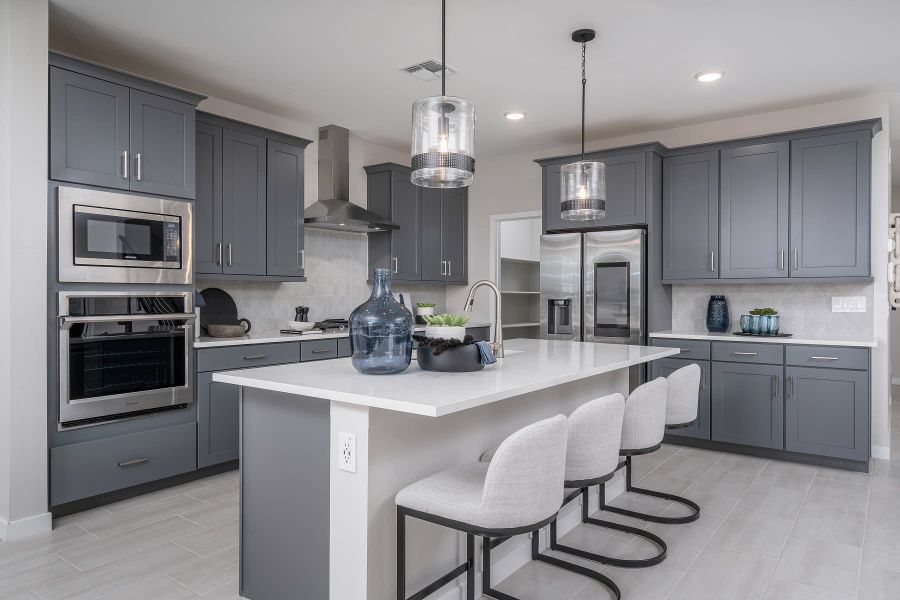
[404, 448]
[285, 496]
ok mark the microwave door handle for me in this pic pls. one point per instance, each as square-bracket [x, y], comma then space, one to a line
[67, 322]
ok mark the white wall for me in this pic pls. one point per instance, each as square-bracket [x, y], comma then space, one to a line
[23, 260]
[512, 183]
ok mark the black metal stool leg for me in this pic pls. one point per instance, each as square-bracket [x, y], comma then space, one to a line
[486, 588]
[401, 554]
[695, 508]
[562, 564]
[470, 571]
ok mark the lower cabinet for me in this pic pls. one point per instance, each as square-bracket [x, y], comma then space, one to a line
[827, 412]
[700, 428]
[748, 404]
[218, 421]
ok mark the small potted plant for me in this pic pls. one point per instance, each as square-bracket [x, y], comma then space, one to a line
[761, 321]
[446, 326]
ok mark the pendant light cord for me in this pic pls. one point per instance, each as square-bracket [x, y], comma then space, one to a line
[443, 47]
[583, 88]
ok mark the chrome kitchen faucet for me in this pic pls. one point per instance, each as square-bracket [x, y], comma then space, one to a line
[497, 344]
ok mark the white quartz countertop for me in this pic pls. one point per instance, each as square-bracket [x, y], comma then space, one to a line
[270, 337]
[529, 366]
[860, 341]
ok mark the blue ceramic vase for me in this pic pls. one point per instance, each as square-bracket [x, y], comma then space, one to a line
[381, 331]
[717, 314]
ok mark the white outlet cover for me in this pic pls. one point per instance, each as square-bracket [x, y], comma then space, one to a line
[347, 452]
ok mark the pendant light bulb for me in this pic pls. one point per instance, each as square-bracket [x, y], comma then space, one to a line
[443, 134]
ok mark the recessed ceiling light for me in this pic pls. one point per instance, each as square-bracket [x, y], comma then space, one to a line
[708, 76]
[514, 116]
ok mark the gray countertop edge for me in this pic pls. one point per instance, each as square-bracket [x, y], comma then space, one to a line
[805, 340]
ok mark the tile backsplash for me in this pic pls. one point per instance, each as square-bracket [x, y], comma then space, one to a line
[805, 308]
[336, 270]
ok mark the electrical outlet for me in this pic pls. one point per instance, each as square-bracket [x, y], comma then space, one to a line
[347, 452]
[848, 304]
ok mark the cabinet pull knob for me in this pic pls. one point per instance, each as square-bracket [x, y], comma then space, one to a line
[781, 259]
[138, 170]
[746, 353]
[133, 463]
[125, 164]
[219, 254]
[255, 357]
[824, 358]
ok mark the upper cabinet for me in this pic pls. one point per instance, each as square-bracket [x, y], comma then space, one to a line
[431, 244]
[113, 130]
[249, 210]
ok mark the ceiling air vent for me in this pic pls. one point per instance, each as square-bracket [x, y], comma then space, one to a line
[428, 70]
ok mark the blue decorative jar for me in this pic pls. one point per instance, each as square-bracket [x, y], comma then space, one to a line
[381, 331]
[717, 314]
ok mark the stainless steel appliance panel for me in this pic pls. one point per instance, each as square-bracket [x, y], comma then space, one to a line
[613, 271]
[561, 286]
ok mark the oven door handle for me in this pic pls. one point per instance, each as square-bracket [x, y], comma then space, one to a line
[67, 322]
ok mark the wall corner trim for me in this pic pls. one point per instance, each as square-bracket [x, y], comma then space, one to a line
[11, 531]
[881, 452]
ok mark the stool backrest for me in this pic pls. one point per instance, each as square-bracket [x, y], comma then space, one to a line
[524, 482]
[595, 431]
[683, 396]
[645, 416]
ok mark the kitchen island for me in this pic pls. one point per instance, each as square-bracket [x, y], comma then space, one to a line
[324, 450]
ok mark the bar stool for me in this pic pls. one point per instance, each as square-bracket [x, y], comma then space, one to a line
[592, 458]
[646, 418]
[519, 491]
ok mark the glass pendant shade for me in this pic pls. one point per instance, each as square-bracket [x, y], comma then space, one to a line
[583, 191]
[443, 142]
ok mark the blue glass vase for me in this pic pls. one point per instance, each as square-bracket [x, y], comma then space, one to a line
[717, 314]
[381, 331]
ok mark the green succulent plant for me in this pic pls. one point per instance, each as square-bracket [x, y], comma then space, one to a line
[767, 312]
[426, 304]
[446, 320]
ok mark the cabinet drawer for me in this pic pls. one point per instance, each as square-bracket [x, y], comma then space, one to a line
[343, 347]
[90, 468]
[318, 350]
[690, 349]
[772, 354]
[827, 356]
[251, 355]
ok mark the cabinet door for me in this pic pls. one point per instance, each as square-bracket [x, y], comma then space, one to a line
[88, 130]
[551, 211]
[691, 216]
[430, 250]
[405, 262]
[754, 211]
[747, 404]
[700, 428]
[454, 222]
[218, 420]
[284, 210]
[827, 412]
[625, 192]
[208, 205]
[830, 179]
[244, 203]
[162, 145]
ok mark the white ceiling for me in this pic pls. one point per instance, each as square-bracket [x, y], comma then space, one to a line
[338, 61]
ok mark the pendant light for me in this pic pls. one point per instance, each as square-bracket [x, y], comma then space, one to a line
[583, 183]
[443, 133]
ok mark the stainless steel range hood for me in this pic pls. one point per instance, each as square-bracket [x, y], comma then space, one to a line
[334, 209]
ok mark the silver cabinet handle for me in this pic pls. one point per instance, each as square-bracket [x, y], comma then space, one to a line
[775, 381]
[255, 357]
[796, 259]
[712, 261]
[685, 349]
[125, 164]
[133, 463]
[702, 379]
[302, 255]
[449, 268]
[229, 254]
[219, 254]
[443, 267]
[746, 353]
[781, 259]
[396, 262]
[320, 351]
[790, 387]
[138, 170]
[824, 358]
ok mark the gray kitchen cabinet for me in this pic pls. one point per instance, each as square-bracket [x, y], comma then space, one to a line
[827, 412]
[747, 404]
[700, 428]
[208, 204]
[218, 421]
[443, 242]
[433, 266]
[691, 216]
[284, 210]
[754, 211]
[162, 145]
[552, 193]
[243, 203]
[392, 195]
[88, 130]
[830, 224]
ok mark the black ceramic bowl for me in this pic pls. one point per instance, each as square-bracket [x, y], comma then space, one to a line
[458, 359]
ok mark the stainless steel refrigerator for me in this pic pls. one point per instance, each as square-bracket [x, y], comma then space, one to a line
[593, 288]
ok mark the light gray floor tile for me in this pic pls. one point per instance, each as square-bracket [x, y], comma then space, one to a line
[109, 549]
[721, 573]
[885, 485]
[819, 563]
[215, 514]
[20, 595]
[58, 540]
[532, 581]
[685, 543]
[653, 583]
[713, 509]
[882, 543]
[765, 499]
[833, 523]
[787, 475]
[214, 494]
[151, 497]
[723, 482]
[843, 475]
[842, 494]
[209, 573]
[599, 540]
[80, 517]
[757, 534]
[688, 450]
[687, 466]
[105, 526]
[32, 572]
[155, 588]
[876, 583]
[211, 540]
[229, 591]
[661, 481]
[740, 462]
[779, 589]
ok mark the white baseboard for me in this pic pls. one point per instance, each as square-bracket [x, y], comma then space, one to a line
[27, 527]
[881, 452]
[895, 380]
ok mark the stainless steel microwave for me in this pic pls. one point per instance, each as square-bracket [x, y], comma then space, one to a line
[122, 238]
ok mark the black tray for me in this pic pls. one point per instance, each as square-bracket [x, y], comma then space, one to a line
[771, 335]
[458, 359]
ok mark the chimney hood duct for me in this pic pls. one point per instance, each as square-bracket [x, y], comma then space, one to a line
[334, 209]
